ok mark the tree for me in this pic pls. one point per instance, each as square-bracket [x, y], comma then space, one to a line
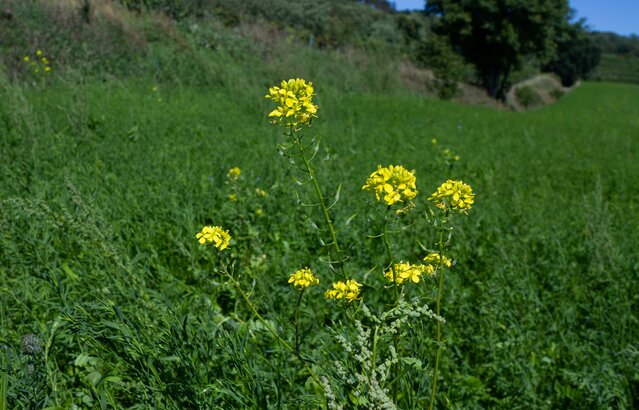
[576, 56]
[495, 35]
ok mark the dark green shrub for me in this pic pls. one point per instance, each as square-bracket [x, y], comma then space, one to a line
[528, 97]
[448, 67]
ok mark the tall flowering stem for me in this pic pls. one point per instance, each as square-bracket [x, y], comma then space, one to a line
[453, 196]
[322, 201]
[440, 271]
[268, 326]
[220, 239]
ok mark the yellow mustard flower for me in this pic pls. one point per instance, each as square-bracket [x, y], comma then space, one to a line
[259, 212]
[232, 197]
[215, 235]
[39, 53]
[294, 99]
[303, 278]
[348, 290]
[26, 59]
[47, 70]
[436, 260]
[401, 272]
[454, 195]
[233, 174]
[392, 184]
[260, 192]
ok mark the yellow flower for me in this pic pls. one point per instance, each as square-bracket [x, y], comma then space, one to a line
[433, 141]
[454, 195]
[215, 235]
[259, 212]
[260, 192]
[303, 278]
[154, 88]
[401, 272]
[26, 59]
[436, 260]
[232, 197]
[341, 290]
[294, 99]
[47, 70]
[39, 53]
[392, 184]
[233, 174]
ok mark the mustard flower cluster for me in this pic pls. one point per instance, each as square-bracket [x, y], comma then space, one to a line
[454, 195]
[348, 290]
[233, 174]
[402, 272]
[215, 235]
[392, 184]
[39, 64]
[435, 259]
[294, 99]
[303, 278]
[260, 192]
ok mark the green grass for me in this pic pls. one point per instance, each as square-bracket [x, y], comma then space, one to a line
[104, 187]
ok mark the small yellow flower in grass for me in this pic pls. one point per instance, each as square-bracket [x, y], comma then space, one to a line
[39, 53]
[260, 192]
[348, 291]
[401, 272]
[232, 197]
[215, 235]
[233, 174]
[392, 184]
[259, 212]
[435, 259]
[303, 278]
[294, 99]
[454, 195]
[154, 88]
[26, 59]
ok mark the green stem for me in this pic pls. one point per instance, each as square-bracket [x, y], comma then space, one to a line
[297, 322]
[439, 324]
[320, 197]
[374, 358]
[270, 329]
[391, 262]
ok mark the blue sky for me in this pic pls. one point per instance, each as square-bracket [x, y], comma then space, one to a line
[619, 16]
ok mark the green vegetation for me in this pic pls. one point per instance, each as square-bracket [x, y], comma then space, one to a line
[118, 155]
[619, 68]
[527, 97]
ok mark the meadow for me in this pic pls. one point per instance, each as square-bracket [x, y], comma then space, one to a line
[106, 183]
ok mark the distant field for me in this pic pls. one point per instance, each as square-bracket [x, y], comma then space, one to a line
[104, 185]
[618, 68]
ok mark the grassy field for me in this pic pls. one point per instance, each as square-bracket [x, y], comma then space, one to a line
[105, 184]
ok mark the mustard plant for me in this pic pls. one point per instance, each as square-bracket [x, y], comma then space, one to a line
[38, 66]
[370, 365]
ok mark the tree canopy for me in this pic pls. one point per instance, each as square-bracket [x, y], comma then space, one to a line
[496, 35]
